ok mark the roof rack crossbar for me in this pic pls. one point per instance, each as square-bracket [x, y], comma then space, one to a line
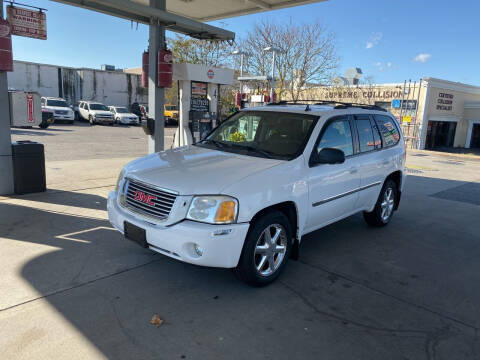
[337, 104]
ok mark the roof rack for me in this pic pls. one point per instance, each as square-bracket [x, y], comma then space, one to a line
[336, 104]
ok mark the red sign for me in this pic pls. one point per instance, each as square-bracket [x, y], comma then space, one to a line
[144, 198]
[6, 57]
[27, 22]
[210, 74]
[31, 115]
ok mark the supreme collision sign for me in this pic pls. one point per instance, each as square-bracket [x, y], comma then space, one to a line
[27, 23]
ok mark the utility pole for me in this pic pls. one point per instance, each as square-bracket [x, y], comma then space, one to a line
[6, 165]
[156, 95]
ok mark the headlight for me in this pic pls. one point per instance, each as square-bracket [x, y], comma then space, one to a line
[213, 209]
[119, 180]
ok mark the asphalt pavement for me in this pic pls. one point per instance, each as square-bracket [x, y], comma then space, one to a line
[72, 287]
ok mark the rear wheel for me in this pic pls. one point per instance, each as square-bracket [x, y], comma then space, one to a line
[266, 249]
[384, 208]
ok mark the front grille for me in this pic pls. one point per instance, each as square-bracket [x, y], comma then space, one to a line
[61, 112]
[148, 200]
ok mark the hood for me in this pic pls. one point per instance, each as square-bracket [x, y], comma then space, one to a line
[56, 108]
[192, 170]
[101, 112]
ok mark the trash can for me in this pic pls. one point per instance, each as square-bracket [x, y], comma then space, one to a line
[28, 167]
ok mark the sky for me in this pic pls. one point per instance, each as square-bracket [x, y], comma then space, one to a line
[391, 41]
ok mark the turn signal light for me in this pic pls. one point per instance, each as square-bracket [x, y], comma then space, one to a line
[225, 212]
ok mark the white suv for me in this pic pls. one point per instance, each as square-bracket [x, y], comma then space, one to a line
[60, 108]
[95, 113]
[244, 196]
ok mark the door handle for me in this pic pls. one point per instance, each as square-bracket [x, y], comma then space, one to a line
[353, 170]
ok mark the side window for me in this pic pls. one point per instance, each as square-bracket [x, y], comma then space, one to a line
[42, 101]
[365, 134]
[388, 129]
[337, 135]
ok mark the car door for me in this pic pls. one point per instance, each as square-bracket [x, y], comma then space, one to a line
[333, 187]
[82, 111]
[371, 160]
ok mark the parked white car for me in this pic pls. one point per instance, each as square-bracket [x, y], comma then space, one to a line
[60, 108]
[95, 112]
[243, 197]
[123, 116]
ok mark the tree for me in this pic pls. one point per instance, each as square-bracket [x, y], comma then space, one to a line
[195, 51]
[308, 54]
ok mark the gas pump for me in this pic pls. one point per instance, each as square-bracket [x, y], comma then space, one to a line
[198, 97]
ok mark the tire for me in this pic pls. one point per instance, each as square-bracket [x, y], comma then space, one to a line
[90, 120]
[383, 211]
[259, 263]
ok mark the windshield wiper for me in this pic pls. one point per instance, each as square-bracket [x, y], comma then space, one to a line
[250, 148]
[217, 143]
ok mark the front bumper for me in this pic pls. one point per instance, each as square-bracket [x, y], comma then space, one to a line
[128, 121]
[66, 117]
[178, 240]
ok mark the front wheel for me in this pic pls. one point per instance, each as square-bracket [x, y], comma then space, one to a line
[383, 211]
[266, 249]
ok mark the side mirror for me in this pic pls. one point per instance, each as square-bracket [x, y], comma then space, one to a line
[328, 156]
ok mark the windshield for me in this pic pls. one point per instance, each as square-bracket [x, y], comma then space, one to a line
[59, 103]
[122, 110]
[170, 107]
[98, 107]
[268, 134]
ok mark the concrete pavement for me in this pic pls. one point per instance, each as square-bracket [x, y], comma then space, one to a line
[72, 287]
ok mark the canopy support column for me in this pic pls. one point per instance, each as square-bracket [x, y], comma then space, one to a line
[156, 95]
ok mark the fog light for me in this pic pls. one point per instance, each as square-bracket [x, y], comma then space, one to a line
[198, 249]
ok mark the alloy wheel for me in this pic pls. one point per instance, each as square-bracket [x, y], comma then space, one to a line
[387, 204]
[270, 249]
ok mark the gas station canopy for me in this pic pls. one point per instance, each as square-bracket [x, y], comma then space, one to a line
[186, 16]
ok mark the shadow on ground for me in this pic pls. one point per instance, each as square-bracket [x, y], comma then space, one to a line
[406, 291]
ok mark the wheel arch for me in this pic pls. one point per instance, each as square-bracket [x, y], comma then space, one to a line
[290, 210]
[396, 177]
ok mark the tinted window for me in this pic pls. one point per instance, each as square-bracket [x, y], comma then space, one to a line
[337, 135]
[59, 103]
[365, 134]
[263, 133]
[98, 107]
[388, 129]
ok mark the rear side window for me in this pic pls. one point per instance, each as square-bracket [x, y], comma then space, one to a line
[388, 130]
[365, 134]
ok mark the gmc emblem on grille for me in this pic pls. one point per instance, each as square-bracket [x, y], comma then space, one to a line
[144, 198]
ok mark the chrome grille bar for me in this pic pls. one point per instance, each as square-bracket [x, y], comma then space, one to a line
[150, 201]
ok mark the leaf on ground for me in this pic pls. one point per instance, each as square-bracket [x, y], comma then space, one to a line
[156, 320]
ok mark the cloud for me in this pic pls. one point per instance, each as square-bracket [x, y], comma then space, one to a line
[423, 58]
[379, 65]
[389, 64]
[374, 40]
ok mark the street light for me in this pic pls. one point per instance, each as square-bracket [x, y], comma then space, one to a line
[242, 54]
[274, 50]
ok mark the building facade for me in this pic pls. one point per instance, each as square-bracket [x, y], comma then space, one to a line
[434, 113]
[108, 87]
